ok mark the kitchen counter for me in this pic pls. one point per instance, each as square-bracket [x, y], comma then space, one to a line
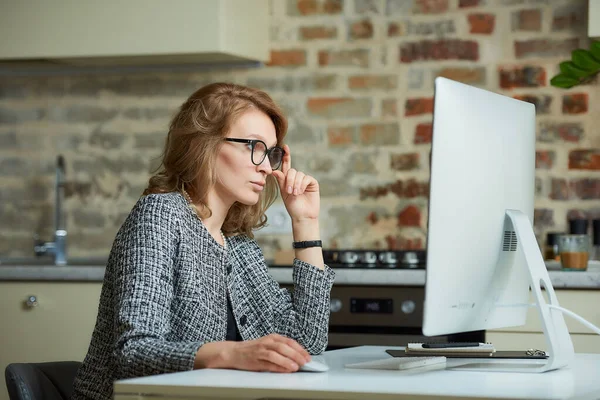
[589, 279]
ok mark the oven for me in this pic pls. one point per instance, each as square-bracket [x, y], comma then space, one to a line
[379, 314]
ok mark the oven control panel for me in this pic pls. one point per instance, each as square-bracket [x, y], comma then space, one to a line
[376, 306]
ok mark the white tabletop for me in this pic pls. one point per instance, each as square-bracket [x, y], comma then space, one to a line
[581, 380]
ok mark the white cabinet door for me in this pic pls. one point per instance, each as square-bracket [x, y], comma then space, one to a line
[582, 302]
[58, 328]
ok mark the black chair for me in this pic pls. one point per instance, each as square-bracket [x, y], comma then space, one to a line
[41, 381]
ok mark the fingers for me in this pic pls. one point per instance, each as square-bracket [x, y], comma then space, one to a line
[282, 354]
[290, 181]
[279, 361]
[294, 182]
[287, 160]
[296, 346]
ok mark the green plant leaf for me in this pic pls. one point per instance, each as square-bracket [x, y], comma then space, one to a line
[595, 50]
[584, 60]
[563, 81]
[568, 68]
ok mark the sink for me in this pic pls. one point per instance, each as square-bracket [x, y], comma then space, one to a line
[48, 262]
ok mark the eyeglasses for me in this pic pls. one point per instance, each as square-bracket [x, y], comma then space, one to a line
[259, 151]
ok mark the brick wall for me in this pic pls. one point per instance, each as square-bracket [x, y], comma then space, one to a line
[355, 78]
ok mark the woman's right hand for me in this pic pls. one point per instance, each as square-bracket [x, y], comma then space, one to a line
[273, 353]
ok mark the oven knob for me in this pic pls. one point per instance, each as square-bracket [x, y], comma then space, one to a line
[408, 306]
[335, 305]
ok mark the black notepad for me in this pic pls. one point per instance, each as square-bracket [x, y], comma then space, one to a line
[497, 354]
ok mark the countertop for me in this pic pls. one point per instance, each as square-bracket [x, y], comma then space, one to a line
[589, 279]
[577, 381]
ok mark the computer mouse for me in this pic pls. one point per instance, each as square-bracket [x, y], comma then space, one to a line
[314, 366]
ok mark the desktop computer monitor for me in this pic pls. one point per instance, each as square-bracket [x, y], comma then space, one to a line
[482, 254]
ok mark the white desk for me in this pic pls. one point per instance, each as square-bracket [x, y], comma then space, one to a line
[580, 381]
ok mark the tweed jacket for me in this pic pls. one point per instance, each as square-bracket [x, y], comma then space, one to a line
[165, 294]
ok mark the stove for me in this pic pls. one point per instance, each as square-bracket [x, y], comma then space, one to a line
[379, 315]
[375, 259]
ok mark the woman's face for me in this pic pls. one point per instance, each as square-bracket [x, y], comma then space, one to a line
[238, 178]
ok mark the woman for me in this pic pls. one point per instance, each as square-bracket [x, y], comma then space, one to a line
[186, 286]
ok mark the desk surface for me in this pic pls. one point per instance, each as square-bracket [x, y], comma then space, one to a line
[580, 380]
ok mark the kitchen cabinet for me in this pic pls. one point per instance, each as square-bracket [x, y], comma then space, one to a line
[58, 328]
[594, 19]
[134, 31]
[582, 302]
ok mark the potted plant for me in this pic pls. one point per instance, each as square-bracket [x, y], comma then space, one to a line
[583, 67]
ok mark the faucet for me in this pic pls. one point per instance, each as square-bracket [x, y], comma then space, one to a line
[57, 248]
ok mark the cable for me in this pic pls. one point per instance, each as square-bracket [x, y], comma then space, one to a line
[582, 320]
[570, 313]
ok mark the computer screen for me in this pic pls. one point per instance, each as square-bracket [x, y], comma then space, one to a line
[482, 189]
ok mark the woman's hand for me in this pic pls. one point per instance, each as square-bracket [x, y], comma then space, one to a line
[300, 192]
[274, 353]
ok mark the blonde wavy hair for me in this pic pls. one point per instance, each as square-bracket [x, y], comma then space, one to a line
[195, 136]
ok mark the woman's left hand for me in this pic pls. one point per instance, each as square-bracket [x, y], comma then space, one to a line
[300, 192]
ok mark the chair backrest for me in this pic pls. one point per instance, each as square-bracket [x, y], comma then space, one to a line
[41, 381]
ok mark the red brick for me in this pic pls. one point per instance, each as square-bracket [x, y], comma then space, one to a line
[389, 107]
[404, 162]
[527, 20]
[315, 7]
[418, 106]
[394, 29]
[465, 75]
[468, 3]
[559, 189]
[519, 77]
[410, 216]
[340, 135]
[402, 190]
[482, 23]
[572, 17]
[586, 188]
[317, 32]
[543, 218]
[380, 134]
[350, 58]
[423, 133]
[443, 49]
[372, 218]
[545, 47]
[585, 159]
[361, 30]
[542, 103]
[576, 103]
[430, 6]
[576, 213]
[382, 82]
[342, 107]
[287, 58]
[544, 159]
[565, 131]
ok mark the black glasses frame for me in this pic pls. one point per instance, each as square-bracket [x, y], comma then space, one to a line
[267, 152]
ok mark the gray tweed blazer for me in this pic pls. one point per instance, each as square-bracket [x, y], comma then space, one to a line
[164, 295]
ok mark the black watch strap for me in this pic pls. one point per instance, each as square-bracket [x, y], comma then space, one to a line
[306, 244]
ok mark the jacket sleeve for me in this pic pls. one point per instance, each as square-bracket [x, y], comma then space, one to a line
[142, 262]
[302, 315]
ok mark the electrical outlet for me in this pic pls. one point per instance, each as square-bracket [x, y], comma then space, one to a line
[278, 221]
